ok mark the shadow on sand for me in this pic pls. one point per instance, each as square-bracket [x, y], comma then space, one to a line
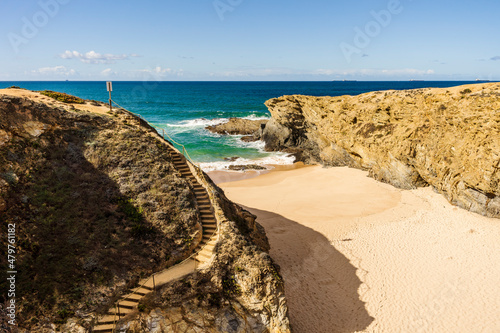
[321, 284]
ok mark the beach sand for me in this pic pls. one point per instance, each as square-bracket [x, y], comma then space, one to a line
[358, 255]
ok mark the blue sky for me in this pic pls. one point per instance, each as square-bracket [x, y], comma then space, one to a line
[249, 40]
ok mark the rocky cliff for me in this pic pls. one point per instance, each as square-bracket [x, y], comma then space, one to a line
[446, 138]
[97, 204]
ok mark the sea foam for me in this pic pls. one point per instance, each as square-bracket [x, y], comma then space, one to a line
[200, 122]
[203, 122]
[274, 159]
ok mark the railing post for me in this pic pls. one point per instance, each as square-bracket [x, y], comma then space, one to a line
[154, 284]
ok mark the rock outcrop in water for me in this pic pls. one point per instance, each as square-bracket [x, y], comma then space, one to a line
[98, 204]
[251, 129]
[446, 138]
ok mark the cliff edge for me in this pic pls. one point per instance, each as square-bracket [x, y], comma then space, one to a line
[446, 138]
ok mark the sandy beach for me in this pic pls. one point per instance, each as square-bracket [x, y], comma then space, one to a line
[358, 255]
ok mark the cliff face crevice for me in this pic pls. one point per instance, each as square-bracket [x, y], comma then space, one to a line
[446, 138]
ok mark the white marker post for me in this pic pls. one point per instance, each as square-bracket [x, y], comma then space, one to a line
[109, 85]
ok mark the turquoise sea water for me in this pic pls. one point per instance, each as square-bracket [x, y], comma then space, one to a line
[183, 109]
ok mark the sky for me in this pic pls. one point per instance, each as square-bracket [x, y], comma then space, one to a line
[254, 40]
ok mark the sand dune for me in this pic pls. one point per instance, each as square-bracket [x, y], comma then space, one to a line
[361, 256]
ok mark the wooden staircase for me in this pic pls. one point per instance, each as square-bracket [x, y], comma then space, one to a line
[203, 252]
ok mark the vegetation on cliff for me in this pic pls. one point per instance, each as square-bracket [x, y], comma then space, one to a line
[95, 202]
[62, 97]
[98, 204]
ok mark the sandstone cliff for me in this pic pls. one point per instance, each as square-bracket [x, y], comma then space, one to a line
[446, 138]
[98, 204]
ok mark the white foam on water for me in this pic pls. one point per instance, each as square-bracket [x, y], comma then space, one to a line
[200, 122]
[203, 122]
[254, 117]
[275, 159]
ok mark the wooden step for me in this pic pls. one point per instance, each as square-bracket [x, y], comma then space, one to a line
[206, 252]
[108, 319]
[204, 202]
[123, 311]
[203, 257]
[209, 224]
[200, 192]
[127, 304]
[104, 328]
[132, 297]
[208, 247]
[142, 290]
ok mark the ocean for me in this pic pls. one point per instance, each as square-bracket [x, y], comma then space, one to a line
[184, 109]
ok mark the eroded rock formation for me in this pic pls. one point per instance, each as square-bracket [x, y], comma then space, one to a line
[251, 129]
[447, 138]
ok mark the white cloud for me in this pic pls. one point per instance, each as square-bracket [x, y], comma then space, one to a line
[159, 71]
[57, 70]
[93, 57]
[107, 72]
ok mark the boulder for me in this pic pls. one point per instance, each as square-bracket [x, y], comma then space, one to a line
[238, 126]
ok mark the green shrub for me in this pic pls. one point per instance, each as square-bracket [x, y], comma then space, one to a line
[62, 97]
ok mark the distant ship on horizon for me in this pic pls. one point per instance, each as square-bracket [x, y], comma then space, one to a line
[413, 80]
[479, 80]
